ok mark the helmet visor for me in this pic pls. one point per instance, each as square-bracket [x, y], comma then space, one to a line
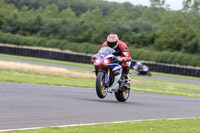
[111, 44]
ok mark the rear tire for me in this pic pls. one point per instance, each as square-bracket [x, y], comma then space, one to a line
[149, 74]
[122, 95]
[101, 90]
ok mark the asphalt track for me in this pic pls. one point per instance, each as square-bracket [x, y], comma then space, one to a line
[32, 105]
[89, 69]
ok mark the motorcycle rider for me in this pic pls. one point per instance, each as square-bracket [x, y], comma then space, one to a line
[138, 66]
[122, 52]
[141, 69]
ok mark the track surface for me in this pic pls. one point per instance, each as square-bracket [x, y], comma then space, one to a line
[31, 105]
[89, 69]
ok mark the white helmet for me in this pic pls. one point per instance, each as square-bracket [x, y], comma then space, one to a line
[138, 63]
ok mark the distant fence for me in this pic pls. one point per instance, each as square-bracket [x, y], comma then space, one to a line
[173, 69]
[63, 56]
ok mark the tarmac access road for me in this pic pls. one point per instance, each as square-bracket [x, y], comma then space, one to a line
[32, 105]
[197, 82]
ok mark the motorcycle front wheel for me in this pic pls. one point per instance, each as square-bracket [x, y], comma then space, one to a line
[101, 90]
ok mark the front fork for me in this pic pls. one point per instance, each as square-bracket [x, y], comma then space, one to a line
[107, 75]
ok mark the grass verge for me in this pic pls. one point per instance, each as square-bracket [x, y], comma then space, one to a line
[88, 65]
[47, 61]
[175, 76]
[49, 79]
[148, 126]
[27, 73]
[9, 65]
[171, 75]
[164, 87]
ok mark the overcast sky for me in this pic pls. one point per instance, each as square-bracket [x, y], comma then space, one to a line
[174, 4]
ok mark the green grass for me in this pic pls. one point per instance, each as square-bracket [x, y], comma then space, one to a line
[148, 126]
[89, 66]
[49, 79]
[47, 61]
[171, 75]
[138, 84]
[165, 87]
[175, 76]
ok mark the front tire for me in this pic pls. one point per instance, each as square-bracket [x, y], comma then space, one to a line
[122, 95]
[101, 90]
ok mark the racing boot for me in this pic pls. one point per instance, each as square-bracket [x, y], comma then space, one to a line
[126, 73]
[128, 79]
[127, 82]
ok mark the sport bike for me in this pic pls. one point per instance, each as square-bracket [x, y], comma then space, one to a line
[142, 70]
[109, 75]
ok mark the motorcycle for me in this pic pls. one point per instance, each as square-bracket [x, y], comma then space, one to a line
[142, 69]
[109, 76]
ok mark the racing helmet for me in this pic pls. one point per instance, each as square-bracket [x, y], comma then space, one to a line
[138, 63]
[112, 41]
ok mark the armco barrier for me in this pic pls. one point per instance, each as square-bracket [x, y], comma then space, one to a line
[63, 56]
[55, 55]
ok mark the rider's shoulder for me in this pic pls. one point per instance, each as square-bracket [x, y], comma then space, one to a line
[122, 44]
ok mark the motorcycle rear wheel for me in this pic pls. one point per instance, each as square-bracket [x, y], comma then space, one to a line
[101, 90]
[149, 74]
[122, 95]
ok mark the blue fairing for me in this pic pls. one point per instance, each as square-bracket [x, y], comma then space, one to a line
[106, 76]
[106, 53]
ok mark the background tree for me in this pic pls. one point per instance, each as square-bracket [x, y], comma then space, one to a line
[78, 24]
[191, 5]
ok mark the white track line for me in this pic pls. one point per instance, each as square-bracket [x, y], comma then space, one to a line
[90, 124]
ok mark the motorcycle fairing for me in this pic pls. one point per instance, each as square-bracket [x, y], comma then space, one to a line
[116, 68]
[107, 53]
[106, 76]
[115, 85]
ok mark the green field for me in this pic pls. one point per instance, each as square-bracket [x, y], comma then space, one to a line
[27, 73]
[47, 61]
[49, 79]
[148, 126]
[165, 87]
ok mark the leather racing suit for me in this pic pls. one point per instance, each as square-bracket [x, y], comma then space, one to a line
[123, 54]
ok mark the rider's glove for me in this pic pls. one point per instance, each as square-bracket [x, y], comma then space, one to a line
[120, 59]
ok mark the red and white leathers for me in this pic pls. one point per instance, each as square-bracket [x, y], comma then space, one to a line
[122, 53]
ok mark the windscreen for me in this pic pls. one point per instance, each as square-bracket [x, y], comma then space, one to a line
[106, 50]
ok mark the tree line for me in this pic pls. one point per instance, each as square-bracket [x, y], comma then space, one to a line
[88, 48]
[155, 28]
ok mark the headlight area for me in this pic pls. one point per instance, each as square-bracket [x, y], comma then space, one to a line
[106, 61]
[98, 62]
